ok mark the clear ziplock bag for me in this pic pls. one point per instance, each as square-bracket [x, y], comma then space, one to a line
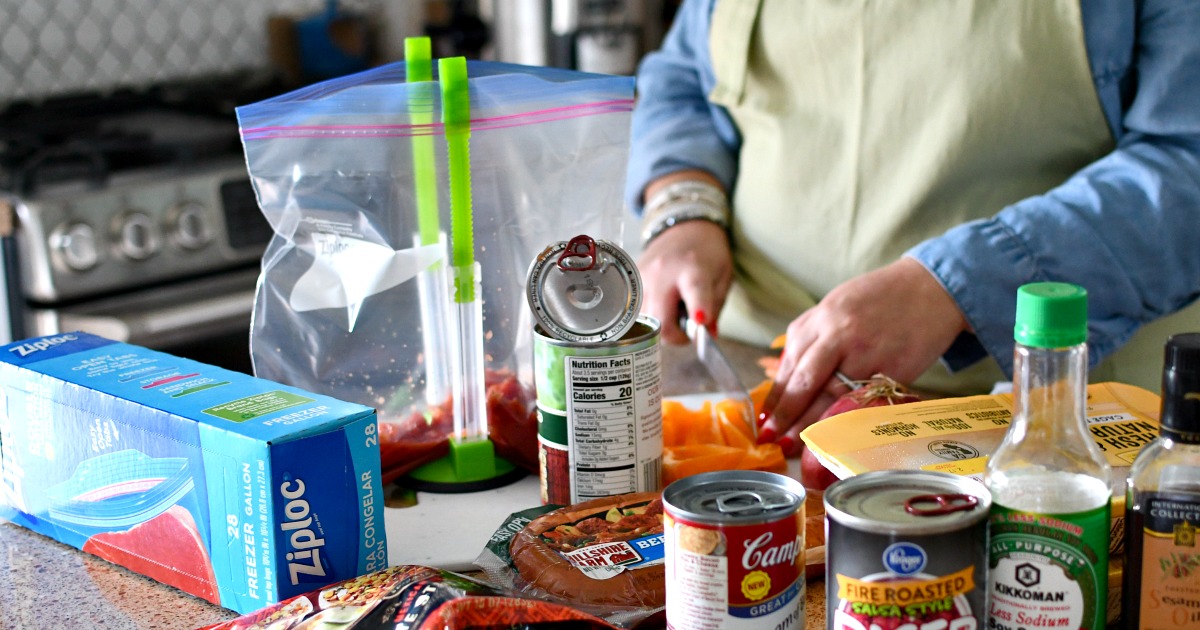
[351, 174]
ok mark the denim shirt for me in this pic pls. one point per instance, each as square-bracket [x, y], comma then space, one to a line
[1126, 227]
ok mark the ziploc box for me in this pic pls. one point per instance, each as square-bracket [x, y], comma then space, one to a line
[236, 489]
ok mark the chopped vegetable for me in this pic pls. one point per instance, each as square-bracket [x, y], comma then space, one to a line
[715, 437]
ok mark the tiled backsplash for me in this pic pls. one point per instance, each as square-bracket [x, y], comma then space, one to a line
[55, 47]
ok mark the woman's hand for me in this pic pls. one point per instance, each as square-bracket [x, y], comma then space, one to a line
[690, 264]
[896, 320]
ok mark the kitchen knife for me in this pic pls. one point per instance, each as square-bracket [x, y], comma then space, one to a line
[721, 371]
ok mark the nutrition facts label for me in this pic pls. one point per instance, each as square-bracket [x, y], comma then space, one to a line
[615, 423]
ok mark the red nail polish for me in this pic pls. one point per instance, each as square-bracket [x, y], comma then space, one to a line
[766, 435]
[762, 418]
[785, 444]
[699, 317]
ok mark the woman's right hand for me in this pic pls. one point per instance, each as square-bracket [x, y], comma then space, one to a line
[691, 264]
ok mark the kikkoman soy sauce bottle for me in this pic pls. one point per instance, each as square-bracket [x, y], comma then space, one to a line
[1050, 484]
[1161, 586]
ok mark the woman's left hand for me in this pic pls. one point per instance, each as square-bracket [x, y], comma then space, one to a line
[896, 320]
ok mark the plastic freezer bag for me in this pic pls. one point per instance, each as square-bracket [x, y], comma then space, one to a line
[347, 301]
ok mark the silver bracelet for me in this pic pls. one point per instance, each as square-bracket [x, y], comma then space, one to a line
[686, 190]
[687, 200]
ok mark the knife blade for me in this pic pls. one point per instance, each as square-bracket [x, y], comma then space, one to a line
[721, 370]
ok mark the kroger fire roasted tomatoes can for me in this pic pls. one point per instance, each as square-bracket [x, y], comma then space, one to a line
[598, 372]
[734, 553]
[906, 549]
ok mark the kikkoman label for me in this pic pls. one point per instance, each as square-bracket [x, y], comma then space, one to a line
[1047, 570]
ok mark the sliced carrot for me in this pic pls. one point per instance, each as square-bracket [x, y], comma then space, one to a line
[695, 451]
[779, 342]
[717, 436]
[699, 426]
[672, 410]
[736, 429]
[684, 461]
[765, 457]
[770, 365]
[758, 396]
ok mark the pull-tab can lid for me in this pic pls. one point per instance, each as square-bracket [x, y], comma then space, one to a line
[735, 497]
[584, 290]
[908, 502]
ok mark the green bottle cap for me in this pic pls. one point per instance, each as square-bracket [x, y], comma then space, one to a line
[1051, 315]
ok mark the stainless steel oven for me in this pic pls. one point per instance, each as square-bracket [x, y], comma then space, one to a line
[131, 216]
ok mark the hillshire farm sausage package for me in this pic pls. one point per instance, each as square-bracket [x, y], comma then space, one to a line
[956, 435]
[414, 597]
[235, 489]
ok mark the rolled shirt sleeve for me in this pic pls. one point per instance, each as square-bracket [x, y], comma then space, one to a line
[1126, 228]
[675, 127]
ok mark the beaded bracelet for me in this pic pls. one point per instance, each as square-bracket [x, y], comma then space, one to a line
[687, 200]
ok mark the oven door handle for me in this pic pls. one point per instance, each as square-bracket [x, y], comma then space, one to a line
[196, 320]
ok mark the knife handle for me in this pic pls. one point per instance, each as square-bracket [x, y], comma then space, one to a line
[688, 324]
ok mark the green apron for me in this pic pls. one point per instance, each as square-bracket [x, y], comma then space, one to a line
[869, 126]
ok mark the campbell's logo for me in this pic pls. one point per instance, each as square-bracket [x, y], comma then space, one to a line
[904, 558]
[304, 557]
[44, 343]
[760, 554]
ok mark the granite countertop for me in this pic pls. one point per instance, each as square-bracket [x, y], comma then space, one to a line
[44, 583]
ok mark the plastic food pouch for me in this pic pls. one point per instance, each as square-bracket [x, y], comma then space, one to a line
[351, 299]
[603, 557]
[412, 597]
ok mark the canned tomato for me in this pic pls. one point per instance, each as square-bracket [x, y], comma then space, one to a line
[598, 372]
[734, 554]
[599, 415]
[906, 549]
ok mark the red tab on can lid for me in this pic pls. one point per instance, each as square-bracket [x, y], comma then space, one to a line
[579, 254]
[939, 504]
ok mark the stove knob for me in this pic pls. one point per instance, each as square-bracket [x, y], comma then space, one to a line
[136, 235]
[74, 245]
[188, 223]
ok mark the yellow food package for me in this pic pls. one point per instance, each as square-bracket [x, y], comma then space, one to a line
[956, 435]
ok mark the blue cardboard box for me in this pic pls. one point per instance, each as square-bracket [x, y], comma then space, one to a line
[235, 489]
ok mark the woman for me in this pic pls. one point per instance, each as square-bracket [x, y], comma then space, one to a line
[877, 178]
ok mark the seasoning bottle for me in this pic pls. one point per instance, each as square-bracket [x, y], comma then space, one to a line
[1161, 581]
[1050, 484]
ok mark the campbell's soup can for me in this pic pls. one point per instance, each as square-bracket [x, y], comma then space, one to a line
[598, 372]
[734, 554]
[906, 549]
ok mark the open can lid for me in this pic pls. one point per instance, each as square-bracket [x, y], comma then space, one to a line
[584, 290]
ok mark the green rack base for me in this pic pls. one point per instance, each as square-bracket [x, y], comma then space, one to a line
[471, 466]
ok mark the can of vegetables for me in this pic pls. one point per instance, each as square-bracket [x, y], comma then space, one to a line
[906, 549]
[598, 372]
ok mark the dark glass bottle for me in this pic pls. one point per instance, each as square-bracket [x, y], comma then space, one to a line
[1161, 580]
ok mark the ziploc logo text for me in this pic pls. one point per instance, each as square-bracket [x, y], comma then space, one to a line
[38, 345]
[304, 544]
